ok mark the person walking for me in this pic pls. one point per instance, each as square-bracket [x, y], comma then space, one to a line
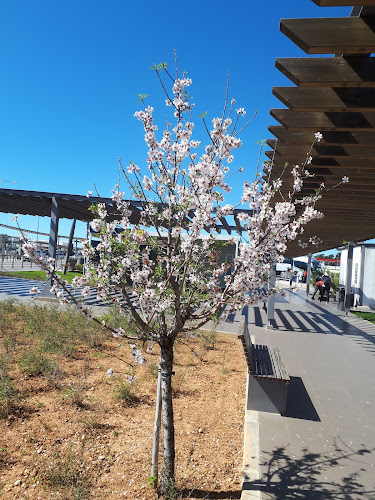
[293, 280]
[325, 289]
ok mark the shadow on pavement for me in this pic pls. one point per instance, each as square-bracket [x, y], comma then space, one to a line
[303, 477]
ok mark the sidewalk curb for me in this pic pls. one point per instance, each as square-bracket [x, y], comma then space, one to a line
[251, 468]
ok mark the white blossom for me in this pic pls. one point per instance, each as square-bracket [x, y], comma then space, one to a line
[318, 136]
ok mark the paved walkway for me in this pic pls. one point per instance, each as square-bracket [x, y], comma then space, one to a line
[19, 289]
[324, 447]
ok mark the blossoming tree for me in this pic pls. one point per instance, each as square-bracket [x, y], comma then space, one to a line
[178, 284]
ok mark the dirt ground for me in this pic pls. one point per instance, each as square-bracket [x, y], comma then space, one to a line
[69, 437]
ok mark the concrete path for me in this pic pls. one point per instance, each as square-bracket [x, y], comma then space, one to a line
[324, 447]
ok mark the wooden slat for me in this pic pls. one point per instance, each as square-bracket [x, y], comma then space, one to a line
[257, 361]
[342, 3]
[329, 138]
[273, 362]
[314, 121]
[283, 372]
[237, 222]
[225, 224]
[330, 163]
[329, 71]
[335, 178]
[293, 151]
[326, 99]
[341, 35]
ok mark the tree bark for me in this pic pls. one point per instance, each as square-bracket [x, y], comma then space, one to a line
[166, 366]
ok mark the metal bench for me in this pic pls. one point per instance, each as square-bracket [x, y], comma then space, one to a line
[268, 379]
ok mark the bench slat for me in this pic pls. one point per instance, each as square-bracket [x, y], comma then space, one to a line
[274, 360]
[262, 361]
[283, 373]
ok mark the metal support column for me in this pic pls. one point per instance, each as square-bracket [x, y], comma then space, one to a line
[69, 250]
[348, 280]
[53, 232]
[271, 299]
[308, 274]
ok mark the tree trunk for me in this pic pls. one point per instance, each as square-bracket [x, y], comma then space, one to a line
[166, 366]
[156, 439]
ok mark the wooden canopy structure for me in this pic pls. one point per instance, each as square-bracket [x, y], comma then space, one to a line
[73, 206]
[335, 96]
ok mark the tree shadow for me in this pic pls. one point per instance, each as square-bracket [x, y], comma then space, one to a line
[310, 475]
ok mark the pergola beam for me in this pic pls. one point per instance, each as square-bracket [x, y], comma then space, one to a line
[315, 121]
[341, 35]
[329, 71]
[306, 138]
[326, 99]
[342, 3]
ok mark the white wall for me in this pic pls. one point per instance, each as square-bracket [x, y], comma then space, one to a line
[369, 278]
[363, 274]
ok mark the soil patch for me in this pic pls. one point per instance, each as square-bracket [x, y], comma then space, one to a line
[72, 432]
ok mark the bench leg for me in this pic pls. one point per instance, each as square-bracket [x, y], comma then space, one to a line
[267, 395]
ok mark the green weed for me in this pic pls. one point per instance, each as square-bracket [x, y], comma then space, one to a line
[208, 340]
[68, 473]
[35, 362]
[178, 382]
[8, 393]
[124, 391]
[75, 394]
[153, 369]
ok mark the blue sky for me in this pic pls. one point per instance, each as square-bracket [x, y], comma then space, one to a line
[72, 72]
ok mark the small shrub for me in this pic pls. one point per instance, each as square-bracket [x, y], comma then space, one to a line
[36, 363]
[91, 423]
[75, 394]
[8, 396]
[178, 382]
[208, 340]
[60, 331]
[153, 369]
[124, 391]
[68, 472]
[8, 306]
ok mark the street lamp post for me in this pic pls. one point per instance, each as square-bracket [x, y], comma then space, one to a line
[3, 180]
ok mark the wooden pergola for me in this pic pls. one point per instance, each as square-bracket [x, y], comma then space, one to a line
[334, 95]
